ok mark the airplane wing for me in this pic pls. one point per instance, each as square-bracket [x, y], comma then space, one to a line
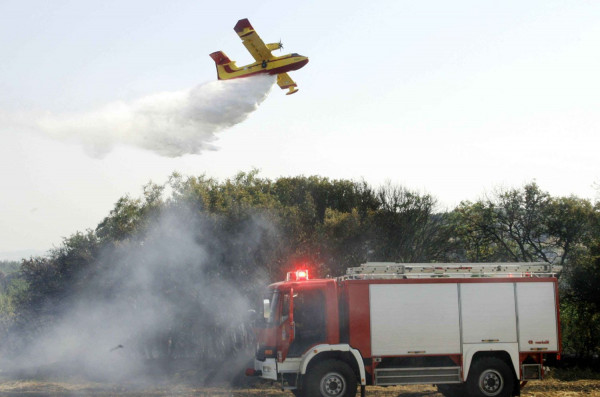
[257, 48]
[285, 81]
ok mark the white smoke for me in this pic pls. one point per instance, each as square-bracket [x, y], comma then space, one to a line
[141, 297]
[170, 124]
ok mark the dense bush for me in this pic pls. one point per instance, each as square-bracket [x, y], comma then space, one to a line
[178, 268]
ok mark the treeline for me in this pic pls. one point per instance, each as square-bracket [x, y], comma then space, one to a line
[179, 266]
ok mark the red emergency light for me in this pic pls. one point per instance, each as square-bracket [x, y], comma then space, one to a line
[298, 275]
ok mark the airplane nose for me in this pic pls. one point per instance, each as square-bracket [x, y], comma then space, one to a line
[299, 64]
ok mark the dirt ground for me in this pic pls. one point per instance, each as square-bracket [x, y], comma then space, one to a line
[546, 388]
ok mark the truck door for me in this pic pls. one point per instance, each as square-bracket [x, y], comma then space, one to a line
[309, 320]
[285, 334]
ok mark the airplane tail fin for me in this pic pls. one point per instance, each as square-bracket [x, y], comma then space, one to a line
[221, 60]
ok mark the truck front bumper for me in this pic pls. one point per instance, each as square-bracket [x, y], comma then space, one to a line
[265, 369]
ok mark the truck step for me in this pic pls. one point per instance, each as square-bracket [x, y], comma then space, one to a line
[407, 376]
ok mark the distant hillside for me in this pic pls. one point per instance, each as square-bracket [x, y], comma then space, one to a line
[20, 254]
[8, 267]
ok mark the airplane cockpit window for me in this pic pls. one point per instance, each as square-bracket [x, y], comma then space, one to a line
[295, 54]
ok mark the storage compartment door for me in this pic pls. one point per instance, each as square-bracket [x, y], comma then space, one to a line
[488, 313]
[536, 307]
[414, 319]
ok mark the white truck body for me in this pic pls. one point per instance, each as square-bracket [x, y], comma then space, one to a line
[438, 319]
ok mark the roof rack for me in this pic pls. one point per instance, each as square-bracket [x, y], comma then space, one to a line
[393, 270]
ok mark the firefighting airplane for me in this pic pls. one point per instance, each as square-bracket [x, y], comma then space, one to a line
[265, 63]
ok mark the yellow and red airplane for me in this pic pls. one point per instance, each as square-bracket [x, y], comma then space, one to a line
[266, 62]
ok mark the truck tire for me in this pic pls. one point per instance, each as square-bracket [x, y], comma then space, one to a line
[330, 378]
[490, 377]
[452, 390]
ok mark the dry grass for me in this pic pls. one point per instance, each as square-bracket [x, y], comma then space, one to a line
[546, 388]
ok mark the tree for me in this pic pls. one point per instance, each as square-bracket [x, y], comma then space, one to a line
[580, 302]
[569, 223]
[345, 237]
[522, 225]
[405, 228]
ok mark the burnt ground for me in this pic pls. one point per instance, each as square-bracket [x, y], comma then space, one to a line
[546, 388]
[187, 379]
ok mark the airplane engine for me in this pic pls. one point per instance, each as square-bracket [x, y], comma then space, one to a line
[274, 46]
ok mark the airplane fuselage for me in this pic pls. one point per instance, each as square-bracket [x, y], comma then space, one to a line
[277, 65]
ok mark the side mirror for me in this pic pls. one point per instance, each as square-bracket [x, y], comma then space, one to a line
[266, 308]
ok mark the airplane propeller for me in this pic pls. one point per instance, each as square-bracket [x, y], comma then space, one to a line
[280, 45]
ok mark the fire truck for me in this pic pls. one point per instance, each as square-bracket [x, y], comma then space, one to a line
[480, 330]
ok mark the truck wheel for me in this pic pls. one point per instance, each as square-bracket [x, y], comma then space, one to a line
[452, 390]
[331, 378]
[490, 377]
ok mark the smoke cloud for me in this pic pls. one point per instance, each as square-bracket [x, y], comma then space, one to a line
[170, 124]
[169, 294]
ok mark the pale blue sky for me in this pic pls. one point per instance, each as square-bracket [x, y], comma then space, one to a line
[450, 98]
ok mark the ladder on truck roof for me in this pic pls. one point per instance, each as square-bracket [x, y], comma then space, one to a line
[393, 270]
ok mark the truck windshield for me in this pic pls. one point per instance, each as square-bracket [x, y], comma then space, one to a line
[269, 307]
